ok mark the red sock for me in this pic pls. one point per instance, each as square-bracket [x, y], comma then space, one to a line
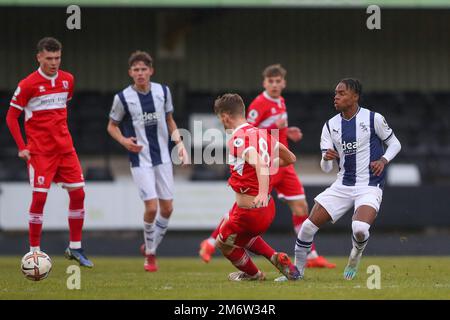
[215, 233]
[35, 229]
[241, 260]
[76, 214]
[260, 247]
[36, 218]
[297, 221]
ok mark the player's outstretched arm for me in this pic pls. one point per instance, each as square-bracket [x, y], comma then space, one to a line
[128, 143]
[392, 150]
[386, 134]
[294, 134]
[286, 157]
[12, 120]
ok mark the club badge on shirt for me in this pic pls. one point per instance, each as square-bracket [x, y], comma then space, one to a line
[238, 142]
[41, 180]
[363, 127]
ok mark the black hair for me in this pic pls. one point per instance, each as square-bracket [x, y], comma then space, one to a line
[353, 84]
[49, 44]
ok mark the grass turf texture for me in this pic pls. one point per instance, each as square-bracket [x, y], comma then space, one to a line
[189, 278]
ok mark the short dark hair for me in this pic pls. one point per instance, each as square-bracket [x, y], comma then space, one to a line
[49, 44]
[140, 56]
[353, 84]
[274, 70]
[230, 103]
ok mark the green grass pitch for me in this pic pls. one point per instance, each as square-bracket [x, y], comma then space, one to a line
[189, 278]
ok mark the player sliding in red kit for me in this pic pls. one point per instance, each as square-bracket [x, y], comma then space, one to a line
[253, 160]
[268, 111]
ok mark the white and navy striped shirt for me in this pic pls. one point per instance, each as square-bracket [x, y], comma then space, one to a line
[144, 116]
[359, 141]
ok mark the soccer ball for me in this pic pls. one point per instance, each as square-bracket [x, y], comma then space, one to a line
[36, 265]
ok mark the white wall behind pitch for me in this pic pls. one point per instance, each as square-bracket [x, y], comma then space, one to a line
[116, 205]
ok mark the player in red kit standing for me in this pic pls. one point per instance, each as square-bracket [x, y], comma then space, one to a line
[49, 150]
[253, 160]
[268, 111]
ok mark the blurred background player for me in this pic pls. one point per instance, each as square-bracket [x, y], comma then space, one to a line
[49, 151]
[354, 138]
[252, 155]
[268, 111]
[145, 111]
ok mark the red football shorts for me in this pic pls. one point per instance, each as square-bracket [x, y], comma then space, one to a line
[245, 224]
[63, 169]
[287, 184]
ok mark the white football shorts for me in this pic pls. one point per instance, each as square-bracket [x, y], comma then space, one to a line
[154, 182]
[338, 199]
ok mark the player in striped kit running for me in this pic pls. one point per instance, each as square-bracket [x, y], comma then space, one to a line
[354, 138]
[268, 111]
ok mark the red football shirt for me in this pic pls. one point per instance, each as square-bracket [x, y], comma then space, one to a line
[243, 177]
[44, 100]
[264, 111]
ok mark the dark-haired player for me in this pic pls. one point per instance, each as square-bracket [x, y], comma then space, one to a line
[355, 139]
[49, 151]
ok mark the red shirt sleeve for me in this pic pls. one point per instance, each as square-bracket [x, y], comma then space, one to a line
[255, 113]
[18, 102]
[21, 96]
[238, 144]
[12, 120]
[241, 143]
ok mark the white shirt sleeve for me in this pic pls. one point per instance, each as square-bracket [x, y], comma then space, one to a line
[168, 107]
[325, 144]
[325, 139]
[393, 148]
[386, 134]
[382, 129]
[326, 165]
[117, 110]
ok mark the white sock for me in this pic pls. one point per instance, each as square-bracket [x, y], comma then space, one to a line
[33, 249]
[160, 228]
[312, 254]
[303, 244]
[148, 236]
[360, 235]
[75, 244]
[212, 241]
[359, 245]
